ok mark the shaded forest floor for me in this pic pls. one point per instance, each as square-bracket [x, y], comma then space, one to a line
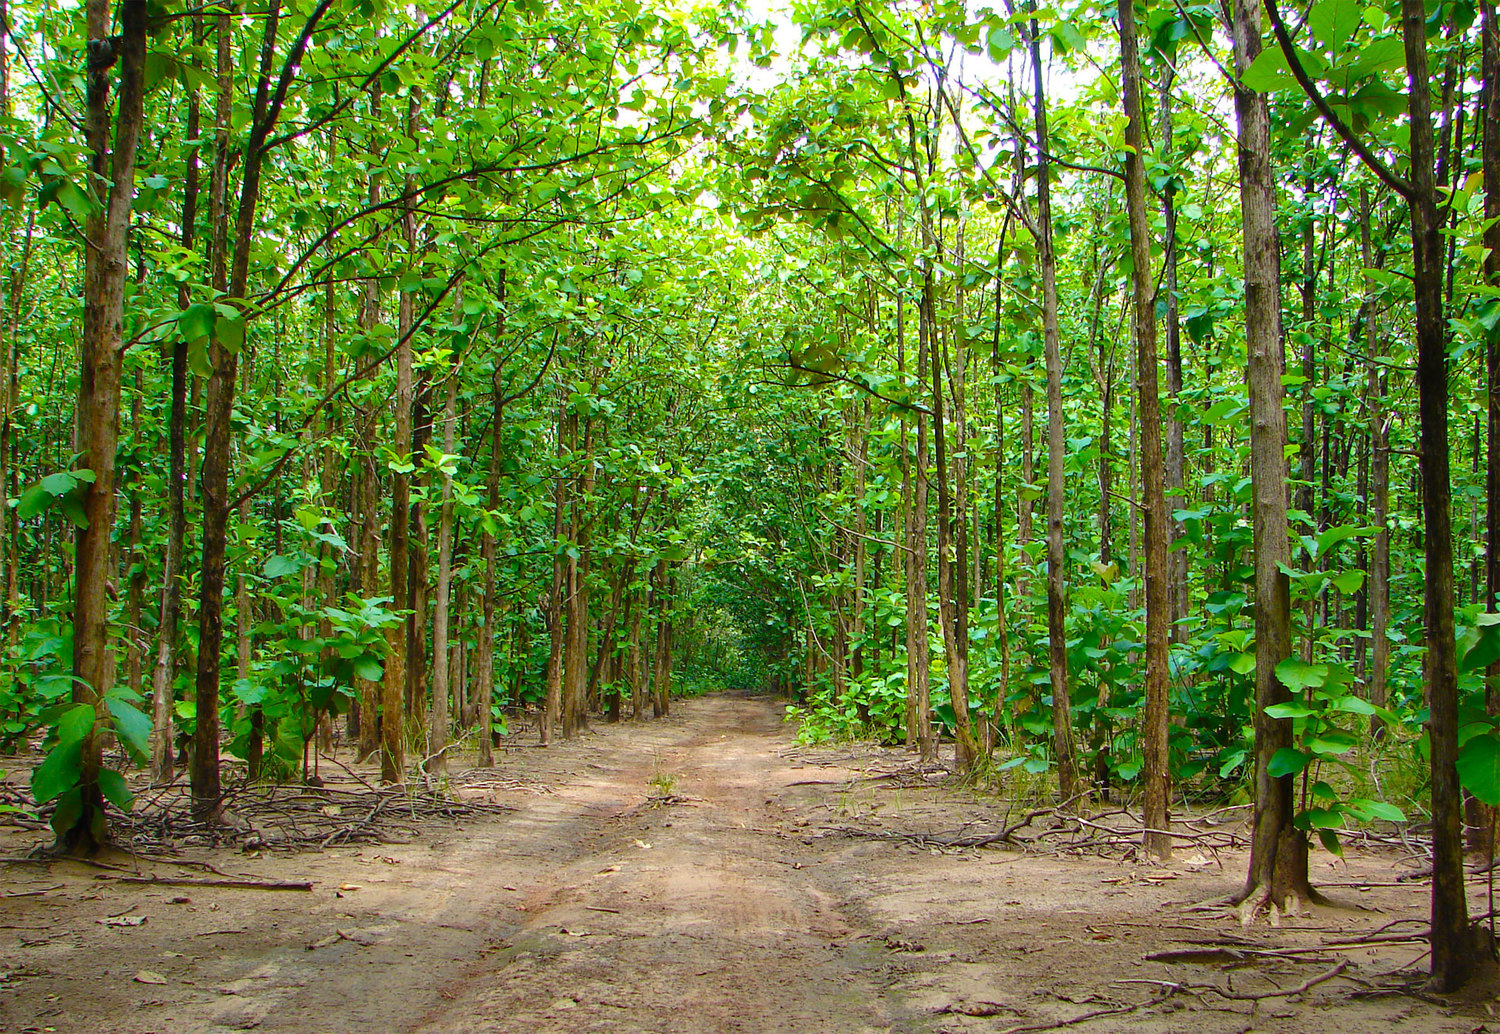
[702, 874]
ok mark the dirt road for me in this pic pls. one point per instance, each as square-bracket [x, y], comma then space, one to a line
[693, 875]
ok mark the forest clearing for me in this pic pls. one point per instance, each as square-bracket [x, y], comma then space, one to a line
[706, 874]
[432, 433]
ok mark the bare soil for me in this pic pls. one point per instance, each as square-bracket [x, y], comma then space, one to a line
[702, 874]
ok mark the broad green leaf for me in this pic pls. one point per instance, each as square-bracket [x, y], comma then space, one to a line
[1334, 22]
[133, 727]
[280, 566]
[1378, 809]
[112, 786]
[1349, 582]
[1290, 711]
[368, 668]
[1330, 840]
[1285, 762]
[1479, 768]
[1297, 675]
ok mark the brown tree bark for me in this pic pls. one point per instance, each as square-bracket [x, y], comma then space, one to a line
[1454, 953]
[112, 143]
[1057, 584]
[437, 746]
[1278, 851]
[1156, 841]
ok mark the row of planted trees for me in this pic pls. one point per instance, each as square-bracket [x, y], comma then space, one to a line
[436, 360]
[381, 404]
[1056, 343]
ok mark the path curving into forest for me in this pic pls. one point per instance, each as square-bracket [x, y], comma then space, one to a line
[691, 875]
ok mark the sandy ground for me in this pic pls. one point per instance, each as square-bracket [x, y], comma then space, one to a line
[697, 874]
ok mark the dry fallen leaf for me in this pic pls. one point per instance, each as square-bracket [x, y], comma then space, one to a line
[351, 886]
[123, 921]
[145, 976]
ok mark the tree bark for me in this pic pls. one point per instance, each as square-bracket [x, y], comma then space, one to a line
[1453, 949]
[1057, 584]
[1278, 851]
[106, 254]
[1156, 842]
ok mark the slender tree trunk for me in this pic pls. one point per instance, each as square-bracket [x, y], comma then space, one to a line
[437, 758]
[553, 707]
[1057, 584]
[1176, 447]
[1278, 851]
[1380, 465]
[106, 255]
[1156, 841]
[171, 587]
[1454, 953]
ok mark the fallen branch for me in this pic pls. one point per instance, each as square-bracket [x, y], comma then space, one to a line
[208, 881]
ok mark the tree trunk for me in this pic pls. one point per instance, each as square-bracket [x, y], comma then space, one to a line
[437, 758]
[1278, 851]
[1156, 841]
[171, 588]
[1453, 948]
[106, 254]
[1057, 585]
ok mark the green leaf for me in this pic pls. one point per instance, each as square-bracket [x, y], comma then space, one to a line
[1334, 22]
[1378, 809]
[58, 773]
[280, 566]
[33, 501]
[368, 668]
[1349, 582]
[112, 786]
[1290, 711]
[1330, 840]
[1479, 768]
[1297, 675]
[69, 810]
[196, 322]
[133, 727]
[1287, 761]
[74, 725]
[1486, 649]
[1333, 742]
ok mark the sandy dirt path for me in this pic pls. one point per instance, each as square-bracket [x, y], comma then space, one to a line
[696, 874]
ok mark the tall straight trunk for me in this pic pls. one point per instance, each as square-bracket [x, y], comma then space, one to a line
[102, 349]
[918, 645]
[1489, 108]
[437, 746]
[171, 587]
[1453, 949]
[368, 580]
[484, 660]
[665, 633]
[1002, 625]
[633, 660]
[1278, 851]
[1156, 841]
[9, 547]
[954, 649]
[10, 524]
[552, 709]
[1380, 466]
[576, 606]
[398, 544]
[1057, 584]
[264, 111]
[1176, 447]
